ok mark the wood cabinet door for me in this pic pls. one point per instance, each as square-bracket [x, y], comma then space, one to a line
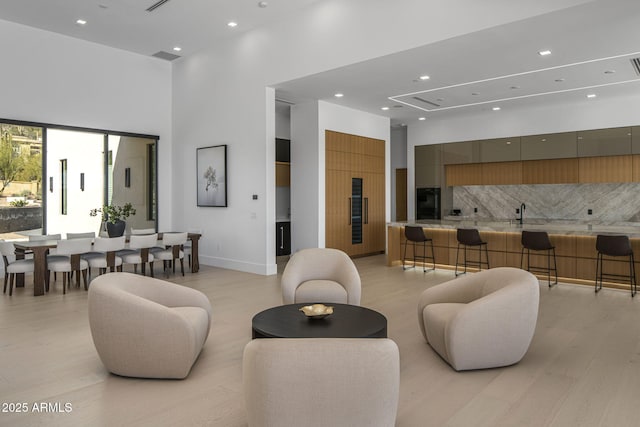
[374, 217]
[338, 210]
[502, 173]
[551, 171]
[605, 169]
[464, 174]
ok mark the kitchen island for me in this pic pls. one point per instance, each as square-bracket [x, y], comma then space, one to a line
[575, 243]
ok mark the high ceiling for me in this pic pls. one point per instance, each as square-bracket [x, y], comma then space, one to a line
[126, 24]
[591, 50]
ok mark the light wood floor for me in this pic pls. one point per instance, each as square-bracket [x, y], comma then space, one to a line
[582, 369]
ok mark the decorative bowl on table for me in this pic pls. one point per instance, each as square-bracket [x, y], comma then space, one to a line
[316, 311]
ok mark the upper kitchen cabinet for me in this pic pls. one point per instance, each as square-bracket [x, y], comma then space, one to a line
[549, 146]
[461, 152]
[604, 142]
[428, 165]
[500, 150]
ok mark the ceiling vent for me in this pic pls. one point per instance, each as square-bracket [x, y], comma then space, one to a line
[156, 5]
[433, 104]
[166, 55]
[635, 62]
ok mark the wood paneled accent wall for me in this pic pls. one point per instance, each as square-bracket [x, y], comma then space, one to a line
[353, 156]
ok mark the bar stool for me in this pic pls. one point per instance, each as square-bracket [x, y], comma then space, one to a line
[539, 241]
[614, 246]
[416, 235]
[471, 237]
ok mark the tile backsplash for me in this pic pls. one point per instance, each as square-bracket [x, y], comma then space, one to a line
[616, 202]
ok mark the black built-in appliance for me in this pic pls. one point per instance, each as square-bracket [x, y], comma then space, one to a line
[428, 203]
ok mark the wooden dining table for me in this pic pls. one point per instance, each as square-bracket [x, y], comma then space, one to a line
[40, 249]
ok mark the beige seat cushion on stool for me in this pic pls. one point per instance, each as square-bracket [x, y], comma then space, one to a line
[321, 382]
[145, 327]
[481, 320]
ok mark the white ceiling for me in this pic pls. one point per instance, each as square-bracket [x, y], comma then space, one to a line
[125, 24]
[500, 65]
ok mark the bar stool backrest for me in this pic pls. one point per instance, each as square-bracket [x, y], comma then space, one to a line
[536, 240]
[617, 245]
[414, 234]
[468, 236]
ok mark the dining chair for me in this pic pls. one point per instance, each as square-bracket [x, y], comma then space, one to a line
[173, 251]
[68, 259]
[104, 256]
[139, 251]
[88, 234]
[13, 266]
[137, 231]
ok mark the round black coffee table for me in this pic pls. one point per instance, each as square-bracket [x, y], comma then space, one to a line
[347, 321]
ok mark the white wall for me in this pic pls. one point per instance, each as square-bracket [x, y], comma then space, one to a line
[550, 118]
[219, 98]
[84, 154]
[305, 176]
[398, 160]
[50, 78]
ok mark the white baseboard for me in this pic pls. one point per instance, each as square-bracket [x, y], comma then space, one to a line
[233, 264]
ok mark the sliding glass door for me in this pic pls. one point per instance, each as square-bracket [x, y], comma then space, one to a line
[52, 176]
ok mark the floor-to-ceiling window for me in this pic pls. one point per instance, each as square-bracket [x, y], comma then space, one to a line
[83, 169]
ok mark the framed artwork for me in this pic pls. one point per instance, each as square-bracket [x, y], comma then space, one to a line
[211, 180]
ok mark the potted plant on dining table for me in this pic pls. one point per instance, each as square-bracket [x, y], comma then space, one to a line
[114, 217]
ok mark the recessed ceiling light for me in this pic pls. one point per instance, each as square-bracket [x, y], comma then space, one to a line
[424, 77]
[543, 139]
[422, 118]
[177, 48]
[544, 52]
[610, 71]
[591, 95]
[496, 108]
[384, 108]
[232, 24]
[339, 95]
[81, 22]
[508, 142]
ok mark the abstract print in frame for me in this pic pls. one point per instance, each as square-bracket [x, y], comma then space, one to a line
[212, 176]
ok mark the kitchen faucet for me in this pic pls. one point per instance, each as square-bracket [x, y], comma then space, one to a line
[521, 210]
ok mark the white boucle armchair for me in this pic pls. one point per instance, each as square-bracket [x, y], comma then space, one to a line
[318, 275]
[320, 382]
[145, 327]
[482, 320]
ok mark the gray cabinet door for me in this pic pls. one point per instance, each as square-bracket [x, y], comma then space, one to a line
[461, 152]
[604, 142]
[500, 150]
[549, 146]
[428, 165]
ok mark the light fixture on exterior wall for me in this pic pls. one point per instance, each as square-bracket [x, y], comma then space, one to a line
[127, 177]
[50, 184]
[81, 181]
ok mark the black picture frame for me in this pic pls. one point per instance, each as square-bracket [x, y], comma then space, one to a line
[211, 178]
